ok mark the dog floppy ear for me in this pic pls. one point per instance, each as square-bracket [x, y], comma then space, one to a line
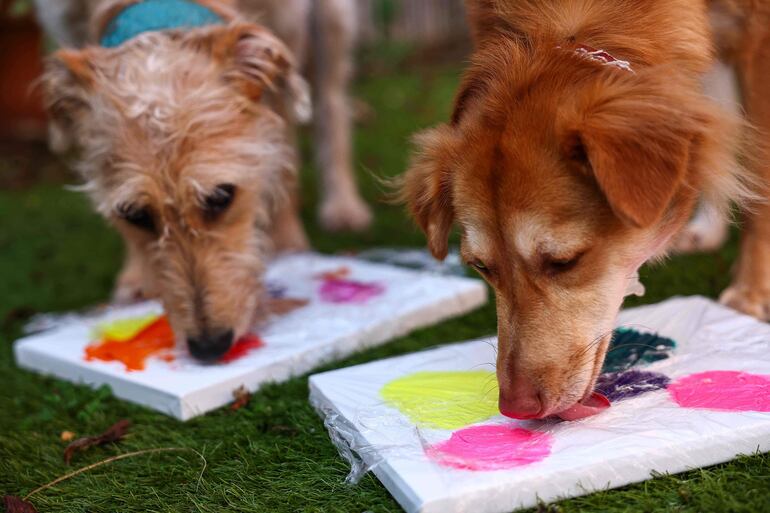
[425, 188]
[257, 62]
[638, 149]
[485, 19]
[68, 77]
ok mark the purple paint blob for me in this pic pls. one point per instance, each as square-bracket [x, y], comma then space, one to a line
[722, 390]
[491, 448]
[276, 290]
[337, 290]
[617, 386]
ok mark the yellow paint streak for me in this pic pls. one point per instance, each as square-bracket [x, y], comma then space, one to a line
[444, 400]
[122, 330]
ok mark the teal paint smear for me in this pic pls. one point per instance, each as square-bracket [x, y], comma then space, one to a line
[630, 347]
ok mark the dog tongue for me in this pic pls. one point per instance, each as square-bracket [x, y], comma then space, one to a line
[590, 406]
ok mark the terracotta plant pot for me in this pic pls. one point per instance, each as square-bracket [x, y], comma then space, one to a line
[21, 51]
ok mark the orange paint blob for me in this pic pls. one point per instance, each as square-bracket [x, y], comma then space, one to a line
[241, 348]
[156, 339]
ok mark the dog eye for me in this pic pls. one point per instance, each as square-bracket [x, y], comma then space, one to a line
[219, 200]
[561, 265]
[479, 266]
[141, 217]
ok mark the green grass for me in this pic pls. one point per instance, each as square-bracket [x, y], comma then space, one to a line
[274, 455]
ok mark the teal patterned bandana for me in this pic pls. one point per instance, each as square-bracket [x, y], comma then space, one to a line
[155, 15]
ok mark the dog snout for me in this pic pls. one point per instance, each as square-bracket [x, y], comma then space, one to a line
[521, 399]
[210, 346]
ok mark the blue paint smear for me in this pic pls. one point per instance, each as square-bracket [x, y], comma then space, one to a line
[276, 290]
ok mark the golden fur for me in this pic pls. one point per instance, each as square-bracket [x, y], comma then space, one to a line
[566, 175]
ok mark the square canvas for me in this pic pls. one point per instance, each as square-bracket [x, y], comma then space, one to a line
[427, 423]
[350, 305]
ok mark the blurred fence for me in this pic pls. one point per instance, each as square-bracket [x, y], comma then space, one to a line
[426, 22]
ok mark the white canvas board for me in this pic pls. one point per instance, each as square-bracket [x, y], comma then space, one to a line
[622, 445]
[295, 343]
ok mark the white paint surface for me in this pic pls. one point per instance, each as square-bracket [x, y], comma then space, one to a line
[294, 344]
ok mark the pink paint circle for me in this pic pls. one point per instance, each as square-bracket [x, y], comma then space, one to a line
[722, 390]
[491, 448]
[349, 291]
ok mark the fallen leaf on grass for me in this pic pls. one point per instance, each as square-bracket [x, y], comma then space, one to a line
[114, 433]
[15, 504]
[286, 430]
[242, 398]
[67, 436]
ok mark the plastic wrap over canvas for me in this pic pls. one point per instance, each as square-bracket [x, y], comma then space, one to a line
[351, 305]
[700, 397]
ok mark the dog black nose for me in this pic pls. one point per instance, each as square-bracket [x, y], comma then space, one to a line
[210, 346]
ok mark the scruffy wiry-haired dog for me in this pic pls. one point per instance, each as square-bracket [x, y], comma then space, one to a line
[581, 141]
[320, 33]
[182, 139]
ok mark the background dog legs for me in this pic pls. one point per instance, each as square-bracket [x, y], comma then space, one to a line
[321, 33]
[65, 21]
[750, 290]
[708, 230]
[333, 38]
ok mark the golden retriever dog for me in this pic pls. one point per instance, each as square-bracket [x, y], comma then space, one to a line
[580, 144]
[182, 137]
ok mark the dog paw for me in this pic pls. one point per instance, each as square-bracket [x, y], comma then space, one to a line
[751, 300]
[345, 213]
[130, 288]
[700, 236]
[125, 294]
[708, 230]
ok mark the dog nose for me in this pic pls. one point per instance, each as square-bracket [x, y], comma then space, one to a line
[520, 401]
[210, 346]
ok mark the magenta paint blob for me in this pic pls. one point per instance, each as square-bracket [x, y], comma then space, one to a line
[337, 290]
[491, 448]
[722, 390]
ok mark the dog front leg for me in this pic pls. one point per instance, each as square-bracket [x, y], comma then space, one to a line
[288, 233]
[342, 208]
[750, 290]
[133, 283]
